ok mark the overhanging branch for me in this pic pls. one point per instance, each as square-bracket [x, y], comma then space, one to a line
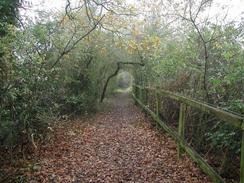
[119, 64]
[66, 50]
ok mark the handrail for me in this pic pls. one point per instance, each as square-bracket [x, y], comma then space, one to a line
[233, 119]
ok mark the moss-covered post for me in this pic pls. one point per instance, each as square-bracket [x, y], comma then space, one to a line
[242, 156]
[157, 103]
[143, 94]
[140, 93]
[135, 92]
[181, 128]
[145, 99]
[147, 96]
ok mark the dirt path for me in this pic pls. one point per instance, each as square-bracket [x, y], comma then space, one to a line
[117, 145]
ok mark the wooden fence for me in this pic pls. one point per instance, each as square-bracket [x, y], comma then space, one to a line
[139, 94]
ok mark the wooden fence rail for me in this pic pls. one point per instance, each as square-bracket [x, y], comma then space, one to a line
[139, 93]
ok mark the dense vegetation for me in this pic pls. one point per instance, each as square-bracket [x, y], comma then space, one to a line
[59, 67]
[205, 62]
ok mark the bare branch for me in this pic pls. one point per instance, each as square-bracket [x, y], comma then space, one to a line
[67, 50]
[68, 10]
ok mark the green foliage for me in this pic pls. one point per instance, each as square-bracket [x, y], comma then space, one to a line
[178, 64]
[39, 83]
[8, 14]
[49, 70]
[225, 138]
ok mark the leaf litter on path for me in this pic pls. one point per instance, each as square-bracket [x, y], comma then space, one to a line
[117, 145]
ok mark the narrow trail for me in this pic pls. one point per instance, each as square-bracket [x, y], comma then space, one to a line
[117, 145]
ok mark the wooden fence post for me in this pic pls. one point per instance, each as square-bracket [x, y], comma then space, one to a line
[135, 92]
[145, 100]
[143, 95]
[181, 128]
[157, 103]
[140, 93]
[242, 156]
[147, 96]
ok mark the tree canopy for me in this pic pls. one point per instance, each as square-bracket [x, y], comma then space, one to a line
[62, 63]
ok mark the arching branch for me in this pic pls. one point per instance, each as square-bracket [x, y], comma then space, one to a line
[119, 64]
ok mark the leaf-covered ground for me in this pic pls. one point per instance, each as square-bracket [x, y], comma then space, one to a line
[117, 145]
